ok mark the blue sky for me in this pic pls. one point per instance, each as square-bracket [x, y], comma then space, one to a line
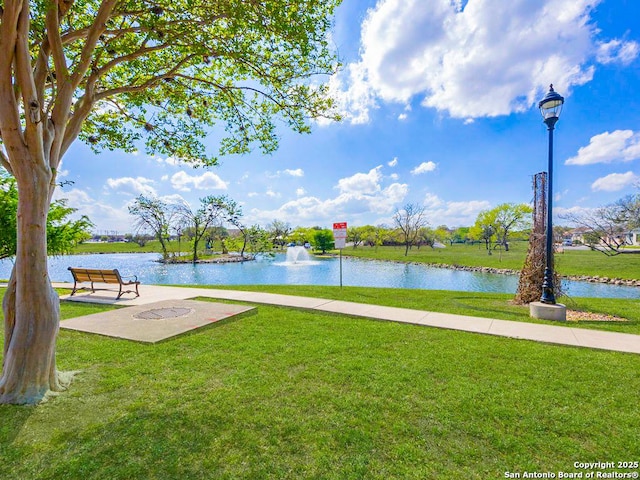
[440, 107]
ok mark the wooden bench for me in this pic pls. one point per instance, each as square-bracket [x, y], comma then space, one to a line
[94, 275]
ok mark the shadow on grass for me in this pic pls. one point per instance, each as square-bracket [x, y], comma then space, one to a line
[14, 418]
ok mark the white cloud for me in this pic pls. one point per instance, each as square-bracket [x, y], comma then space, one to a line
[617, 51]
[617, 146]
[298, 172]
[132, 186]
[207, 181]
[352, 94]
[359, 195]
[300, 191]
[363, 183]
[471, 61]
[393, 162]
[252, 194]
[394, 176]
[272, 194]
[104, 216]
[424, 167]
[402, 116]
[615, 182]
[453, 214]
[168, 160]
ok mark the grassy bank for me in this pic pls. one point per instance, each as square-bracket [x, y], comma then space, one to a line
[570, 262]
[293, 394]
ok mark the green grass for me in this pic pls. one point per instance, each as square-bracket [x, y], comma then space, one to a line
[118, 247]
[152, 246]
[571, 262]
[293, 394]
[474, 304]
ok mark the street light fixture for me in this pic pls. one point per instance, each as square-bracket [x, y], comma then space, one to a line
[550, 107]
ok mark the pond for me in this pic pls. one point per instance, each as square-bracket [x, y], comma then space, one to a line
[279, 271]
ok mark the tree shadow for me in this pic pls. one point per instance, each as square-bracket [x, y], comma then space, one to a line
[13, 418]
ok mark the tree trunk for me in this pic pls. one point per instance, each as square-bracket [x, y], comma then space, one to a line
[31, 306]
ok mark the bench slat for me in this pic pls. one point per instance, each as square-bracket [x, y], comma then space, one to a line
[95, 275]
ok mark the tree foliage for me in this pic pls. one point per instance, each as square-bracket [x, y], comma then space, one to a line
[63, 233]
[120, 73]
[501, 221]
[279, 232]
[323, 240]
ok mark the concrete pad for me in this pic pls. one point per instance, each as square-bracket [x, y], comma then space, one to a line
[155, 322]
[620, 342]
[533, 331]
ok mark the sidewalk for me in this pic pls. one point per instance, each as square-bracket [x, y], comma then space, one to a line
[563, 335]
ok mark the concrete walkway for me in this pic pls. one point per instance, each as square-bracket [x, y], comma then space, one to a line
[564, 335]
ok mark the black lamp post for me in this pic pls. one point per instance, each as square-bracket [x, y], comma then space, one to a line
[550, 107]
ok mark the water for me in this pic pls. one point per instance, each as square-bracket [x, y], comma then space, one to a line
[356, 272]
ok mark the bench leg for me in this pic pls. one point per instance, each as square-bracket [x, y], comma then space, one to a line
[75, 288]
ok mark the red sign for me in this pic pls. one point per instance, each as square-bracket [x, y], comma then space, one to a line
[340, 226]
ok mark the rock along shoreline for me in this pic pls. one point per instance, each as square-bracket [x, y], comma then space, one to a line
[508, 271]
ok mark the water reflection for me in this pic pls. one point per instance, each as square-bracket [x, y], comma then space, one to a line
[356, 272]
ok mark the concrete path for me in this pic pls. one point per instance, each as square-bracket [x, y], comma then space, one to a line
[564, 335]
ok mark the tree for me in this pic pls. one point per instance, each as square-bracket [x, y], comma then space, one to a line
[501, 221]
[279, 232]
[460, 235]
[301, 235]
[409, 220]
[200, 221]
[607, 227]
[62, 233]
[356, 235]
[483, 232]
[426, 236]
[375, 236]
[258, 240]
[156, 216]
[119, 73]
[232, 213]
[323, 240]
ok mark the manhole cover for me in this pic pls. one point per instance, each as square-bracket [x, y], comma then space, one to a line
[162, 313]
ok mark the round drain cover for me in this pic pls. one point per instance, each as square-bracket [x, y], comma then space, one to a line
[162, 313]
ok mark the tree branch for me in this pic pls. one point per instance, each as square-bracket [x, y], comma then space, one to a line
[25, 80]
[98, 27]
[143, 86]
[4, 161]
[10, 129]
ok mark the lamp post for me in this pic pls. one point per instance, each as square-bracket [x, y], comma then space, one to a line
[550, 107]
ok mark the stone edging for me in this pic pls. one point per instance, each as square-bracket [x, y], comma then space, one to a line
[508, 271]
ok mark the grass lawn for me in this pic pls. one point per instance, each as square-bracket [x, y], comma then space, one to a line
[571, 262]
[295, 394]
[474, 304]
